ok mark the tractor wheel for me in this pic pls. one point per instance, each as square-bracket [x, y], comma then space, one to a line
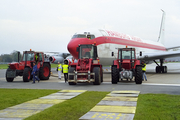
[101, 76]
[114, 74]
[71, 77]
[97, 76]
[138, 75]
[9, 79]
[44, 72]
[26, 74]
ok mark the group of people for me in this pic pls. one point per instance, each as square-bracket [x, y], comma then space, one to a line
[63, 69]
[60, 69]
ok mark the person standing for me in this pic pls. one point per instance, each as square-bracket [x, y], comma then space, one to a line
[143, 64]
[34, 73]
[65, 70]
[59, 68]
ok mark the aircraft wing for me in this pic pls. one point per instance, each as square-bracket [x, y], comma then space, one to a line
[158, 55]
[57, 57]
[172, 48]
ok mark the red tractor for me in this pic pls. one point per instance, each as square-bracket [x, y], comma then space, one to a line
[87, 68]
[24, 68]
[126, 66]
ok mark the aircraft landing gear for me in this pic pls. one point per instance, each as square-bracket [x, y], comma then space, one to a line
[160, 68]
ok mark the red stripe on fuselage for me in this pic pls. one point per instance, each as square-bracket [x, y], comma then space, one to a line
[73, 44]
[134, 43]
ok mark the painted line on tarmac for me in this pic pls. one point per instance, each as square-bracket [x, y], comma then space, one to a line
[24, 110]
[118, 105]
[161, 84]
[135, 84]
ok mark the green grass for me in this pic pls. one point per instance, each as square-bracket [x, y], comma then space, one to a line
[54, 65]
[3, 66]
[11, 97]
[158, 107]
[149, 107]
[71, 109]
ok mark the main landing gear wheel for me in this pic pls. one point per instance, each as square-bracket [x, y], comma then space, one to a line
[161, 69]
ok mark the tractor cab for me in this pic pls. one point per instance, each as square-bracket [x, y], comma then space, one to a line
[126, 53]
[30, 56]
[87, 51]
[126, 66]
[87, 69]
[126, 57]
[25, 67]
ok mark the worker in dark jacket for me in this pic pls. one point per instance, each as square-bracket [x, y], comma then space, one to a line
[34, 72]
[143, 64]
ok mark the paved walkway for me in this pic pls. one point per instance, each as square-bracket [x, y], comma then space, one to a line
[32, 107]
[118, 105]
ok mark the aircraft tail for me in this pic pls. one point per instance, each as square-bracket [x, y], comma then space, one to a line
[162, 29]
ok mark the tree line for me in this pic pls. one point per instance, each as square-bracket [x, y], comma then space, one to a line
[12, 57]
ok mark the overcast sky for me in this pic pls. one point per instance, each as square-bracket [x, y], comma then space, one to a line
[48, 25]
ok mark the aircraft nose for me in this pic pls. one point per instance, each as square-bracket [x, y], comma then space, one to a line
[72, 45]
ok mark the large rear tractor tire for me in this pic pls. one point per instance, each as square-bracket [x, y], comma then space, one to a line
[26, 74]
[71, 77]
[138, 76]
[97, 76]
[44, 72]
[101, 75]
[9, 79]
[114, 74]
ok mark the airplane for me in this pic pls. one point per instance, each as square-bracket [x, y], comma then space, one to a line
[58, 57]
[107, 41]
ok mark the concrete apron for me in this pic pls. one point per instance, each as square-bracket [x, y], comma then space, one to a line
[24, 110]
[118, 105]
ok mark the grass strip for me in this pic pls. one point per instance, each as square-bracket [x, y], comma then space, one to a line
[4, 66]
[158, 107]
[11, 97]
[54, 65]
[71, 109]
[149, 106]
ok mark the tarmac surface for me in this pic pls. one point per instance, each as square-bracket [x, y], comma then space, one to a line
[168, 83]
[119, 104]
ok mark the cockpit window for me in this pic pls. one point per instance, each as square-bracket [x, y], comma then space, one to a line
[83, 36]
[79, 36]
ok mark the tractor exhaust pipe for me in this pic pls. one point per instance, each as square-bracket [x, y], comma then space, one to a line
[18, 56]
